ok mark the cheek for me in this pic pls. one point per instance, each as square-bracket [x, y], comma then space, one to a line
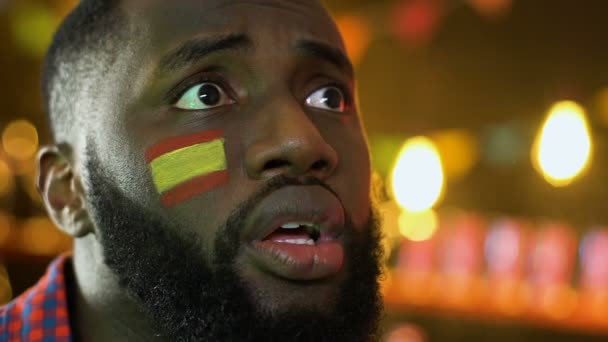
[186, 166]
[353, 175]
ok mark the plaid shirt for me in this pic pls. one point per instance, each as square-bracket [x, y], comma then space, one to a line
[41, 313]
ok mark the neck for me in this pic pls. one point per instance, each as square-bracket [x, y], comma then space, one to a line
[100, 309]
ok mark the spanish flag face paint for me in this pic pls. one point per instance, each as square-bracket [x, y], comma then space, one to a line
[183, 167]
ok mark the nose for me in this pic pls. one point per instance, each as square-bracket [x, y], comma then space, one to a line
[289, 143]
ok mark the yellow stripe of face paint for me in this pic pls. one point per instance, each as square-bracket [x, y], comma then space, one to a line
[181, 165]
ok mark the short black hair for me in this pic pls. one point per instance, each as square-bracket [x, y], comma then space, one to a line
[85, 42]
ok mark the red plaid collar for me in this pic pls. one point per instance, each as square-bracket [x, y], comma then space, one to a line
[41, 313]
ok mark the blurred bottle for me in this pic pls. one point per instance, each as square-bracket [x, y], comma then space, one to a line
[461, 259]
[594, 274]
[552, 260]
[505, 255]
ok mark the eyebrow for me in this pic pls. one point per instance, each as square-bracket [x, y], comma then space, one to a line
[327, 52]
[195, 49]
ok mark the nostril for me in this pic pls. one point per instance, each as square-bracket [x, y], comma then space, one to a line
[320, 165]
[275, 164]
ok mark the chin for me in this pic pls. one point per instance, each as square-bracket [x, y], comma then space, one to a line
[277, 295]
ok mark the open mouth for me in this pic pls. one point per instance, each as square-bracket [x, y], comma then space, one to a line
[297, 233]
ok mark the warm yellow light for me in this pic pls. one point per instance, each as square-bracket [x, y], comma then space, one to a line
[6, 226]
[459, 152]
[6, 291]
[40, 237]
[417, 178]
[6, 178]
[418, 226]
[20, 140]
[28, 183]
[562, 149]
[357, 35]
[601, 107]
[32, 25]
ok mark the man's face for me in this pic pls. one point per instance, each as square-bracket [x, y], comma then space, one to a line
[292, 211]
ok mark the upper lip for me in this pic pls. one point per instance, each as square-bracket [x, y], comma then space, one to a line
[301, 203]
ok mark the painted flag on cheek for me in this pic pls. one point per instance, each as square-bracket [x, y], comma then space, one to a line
[186, 166]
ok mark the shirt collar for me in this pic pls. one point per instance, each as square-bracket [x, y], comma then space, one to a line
[41, 313]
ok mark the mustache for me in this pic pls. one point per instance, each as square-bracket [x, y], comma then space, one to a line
[277, 183]
[230, 230]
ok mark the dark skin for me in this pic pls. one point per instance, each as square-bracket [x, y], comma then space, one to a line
[276, 55]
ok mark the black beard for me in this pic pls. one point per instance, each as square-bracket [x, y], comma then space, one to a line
[186, 300]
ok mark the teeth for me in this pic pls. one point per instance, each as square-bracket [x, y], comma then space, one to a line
[295, 225]
[310, 242]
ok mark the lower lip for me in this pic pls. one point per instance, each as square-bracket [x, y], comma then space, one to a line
[299, 262]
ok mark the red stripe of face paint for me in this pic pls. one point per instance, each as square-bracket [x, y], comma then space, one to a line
[175, 143]
[194, 187]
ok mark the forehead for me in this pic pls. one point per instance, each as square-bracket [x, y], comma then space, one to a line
[167, 23]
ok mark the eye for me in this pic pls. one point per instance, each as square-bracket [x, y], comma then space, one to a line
[203, 96]
[327, 98]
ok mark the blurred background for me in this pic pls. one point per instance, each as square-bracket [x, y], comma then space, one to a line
[488, 124]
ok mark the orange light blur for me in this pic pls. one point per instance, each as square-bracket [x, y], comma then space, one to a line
[20, 140]
[357, 35]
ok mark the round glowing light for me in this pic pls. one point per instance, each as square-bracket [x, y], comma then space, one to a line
[20, 140]
[6, 178]
[417, 178]
[416, 22]
[563, 147]
[418, 226]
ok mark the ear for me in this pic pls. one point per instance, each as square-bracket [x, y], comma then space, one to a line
[62, 192]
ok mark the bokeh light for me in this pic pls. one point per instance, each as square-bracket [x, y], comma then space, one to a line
[563, 147]
[593, 254]
[491, 8]
[40, 237]
[417, 178]
[357, 35]
[33, 25]
[511, 297]
[505, 144]
[459, 152]
[415, 22]
[20, 140]
[552, 254]
[384, 148]
[559, 302]
[504, 249]
[418, 226]
[463, 235]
